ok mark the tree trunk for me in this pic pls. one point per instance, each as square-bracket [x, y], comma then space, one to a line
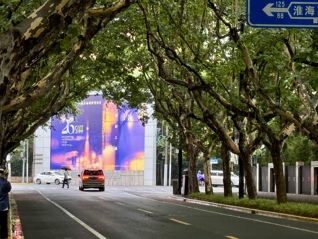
[248, 170]
[241, 177]
[225, 154]
[279, 176]
[207, 175]
[193, 185]
[192, 152]
[247, 147]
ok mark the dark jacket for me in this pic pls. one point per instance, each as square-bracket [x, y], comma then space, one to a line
[5, 188]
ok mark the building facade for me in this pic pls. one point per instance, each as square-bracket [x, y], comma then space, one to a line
[101, 136]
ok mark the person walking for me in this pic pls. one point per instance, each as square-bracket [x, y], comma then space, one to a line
[5, 188]
[200, 177]
[65, 181]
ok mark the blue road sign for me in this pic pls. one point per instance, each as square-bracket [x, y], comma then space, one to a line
[214, 161]
[284, 14]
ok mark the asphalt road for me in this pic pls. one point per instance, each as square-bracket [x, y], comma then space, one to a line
[48, 211]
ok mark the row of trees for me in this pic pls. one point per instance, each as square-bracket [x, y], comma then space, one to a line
[222, 78]
[214, 80]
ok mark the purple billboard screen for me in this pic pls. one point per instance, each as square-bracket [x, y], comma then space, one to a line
[101, 136]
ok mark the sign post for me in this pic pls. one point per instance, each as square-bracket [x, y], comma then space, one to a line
[282, 14]
[213, 161]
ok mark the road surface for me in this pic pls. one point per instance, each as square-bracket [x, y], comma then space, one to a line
[144, 212]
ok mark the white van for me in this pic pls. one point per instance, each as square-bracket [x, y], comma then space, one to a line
[217, 178]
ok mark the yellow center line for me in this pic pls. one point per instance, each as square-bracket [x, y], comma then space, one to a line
[181, 222]
[230, 237]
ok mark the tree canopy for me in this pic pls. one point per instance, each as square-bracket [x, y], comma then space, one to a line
[208, 74]
[40, 44]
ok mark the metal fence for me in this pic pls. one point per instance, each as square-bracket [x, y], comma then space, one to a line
[300, 178]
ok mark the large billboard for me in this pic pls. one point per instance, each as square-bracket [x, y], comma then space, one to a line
[101, 136]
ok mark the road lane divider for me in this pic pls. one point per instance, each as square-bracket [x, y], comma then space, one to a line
[144, 211]
[231, 237]
[119, 203]
[178, 221]
[97, 234]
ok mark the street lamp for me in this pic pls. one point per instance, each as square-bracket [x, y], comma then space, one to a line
[24, 157]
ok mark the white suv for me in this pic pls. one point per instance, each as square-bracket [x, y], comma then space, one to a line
[217, 178]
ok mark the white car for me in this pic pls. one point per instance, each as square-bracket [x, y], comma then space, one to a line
[49, 177]
[217, 178]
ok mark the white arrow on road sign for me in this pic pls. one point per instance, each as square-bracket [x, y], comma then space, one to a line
[268, 9]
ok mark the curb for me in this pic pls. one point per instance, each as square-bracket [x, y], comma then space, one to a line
[15, 223]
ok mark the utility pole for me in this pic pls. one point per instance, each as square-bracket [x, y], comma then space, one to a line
[22, 143]
[166, 160]
[170, 158]
[179, 169]
[8, 159]
[25, 160]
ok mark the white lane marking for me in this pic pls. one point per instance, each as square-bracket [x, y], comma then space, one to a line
[144, 211]
[119, 203]
[249, 219]
[97, 234]
[223, 214]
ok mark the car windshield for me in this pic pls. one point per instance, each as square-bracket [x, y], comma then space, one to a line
[93, 172]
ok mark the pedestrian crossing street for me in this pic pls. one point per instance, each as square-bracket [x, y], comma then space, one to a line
[115, 189]
[159, 190]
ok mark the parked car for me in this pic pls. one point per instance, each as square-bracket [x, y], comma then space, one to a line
[217, 178]
[49, 177]
[92, 178]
